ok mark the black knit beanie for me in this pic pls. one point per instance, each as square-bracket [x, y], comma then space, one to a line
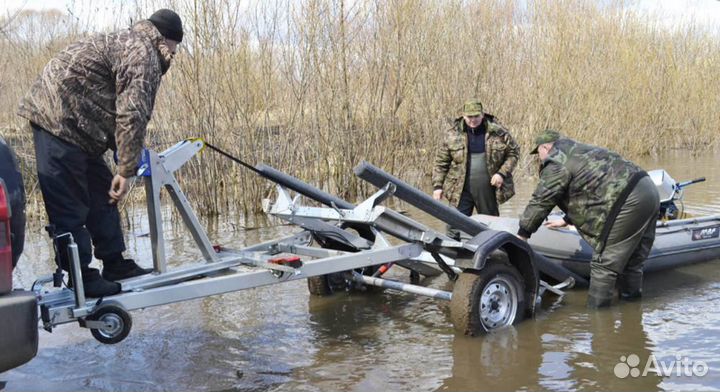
[168, 23]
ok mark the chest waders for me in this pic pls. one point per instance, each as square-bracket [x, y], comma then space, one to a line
[477, 192]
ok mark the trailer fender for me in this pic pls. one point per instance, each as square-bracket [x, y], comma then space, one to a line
[504, 246]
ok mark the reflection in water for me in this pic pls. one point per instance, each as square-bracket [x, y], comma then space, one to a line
[617, 333]
[493, 362]
[279, 338]
[569, 351]
[168, 358]
[357, 340]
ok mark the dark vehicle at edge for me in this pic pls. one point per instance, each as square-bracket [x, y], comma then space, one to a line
[18, 308]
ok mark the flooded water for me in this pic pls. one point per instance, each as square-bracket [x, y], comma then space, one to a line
[280, 338]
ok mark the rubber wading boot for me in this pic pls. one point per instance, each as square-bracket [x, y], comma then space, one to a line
[95, 286]
[630, 287]
[635, 295]
[594, 302]
[601, 291]
[125, 269]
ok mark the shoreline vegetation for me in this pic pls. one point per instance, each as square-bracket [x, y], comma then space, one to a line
[313, 87]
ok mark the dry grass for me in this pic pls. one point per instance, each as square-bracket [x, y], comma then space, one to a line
[313, 87]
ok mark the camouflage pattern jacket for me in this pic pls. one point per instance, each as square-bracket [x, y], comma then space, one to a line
[99, 93]
[590, 184]
[501, 156]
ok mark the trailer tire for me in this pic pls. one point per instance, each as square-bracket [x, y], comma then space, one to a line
[489, 299]
[318, 285]
[324, 285]
[119, 322]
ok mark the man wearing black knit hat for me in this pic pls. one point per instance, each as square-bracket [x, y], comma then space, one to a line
[97, 94]
[168, 24]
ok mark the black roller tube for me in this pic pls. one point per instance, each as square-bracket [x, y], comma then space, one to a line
[302, 188]
[421, 200]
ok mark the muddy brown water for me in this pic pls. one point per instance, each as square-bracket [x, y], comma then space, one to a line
[280, 338]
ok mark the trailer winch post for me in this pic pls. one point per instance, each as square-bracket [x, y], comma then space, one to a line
[158, 172]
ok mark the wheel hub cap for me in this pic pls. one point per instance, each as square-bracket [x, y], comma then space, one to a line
[498, 303]
[113, 325]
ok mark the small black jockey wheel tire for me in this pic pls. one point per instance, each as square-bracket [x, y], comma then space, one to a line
[489, 299]
[119, 320]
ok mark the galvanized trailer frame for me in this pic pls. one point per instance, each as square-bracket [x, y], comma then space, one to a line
[226, 270]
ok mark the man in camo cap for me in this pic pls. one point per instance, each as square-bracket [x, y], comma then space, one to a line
[611, 201]
[97, 94]
[474, 163]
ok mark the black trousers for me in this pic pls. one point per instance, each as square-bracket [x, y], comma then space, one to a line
[75, 187]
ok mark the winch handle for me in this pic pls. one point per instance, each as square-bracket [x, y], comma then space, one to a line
[686, 183]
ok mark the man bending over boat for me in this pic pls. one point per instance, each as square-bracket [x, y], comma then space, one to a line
[474, 163]
[612, 202]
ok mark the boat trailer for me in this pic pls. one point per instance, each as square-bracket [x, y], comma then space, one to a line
[496, 275]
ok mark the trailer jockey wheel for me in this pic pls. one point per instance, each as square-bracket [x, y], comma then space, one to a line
[489, 299]
[117, 324]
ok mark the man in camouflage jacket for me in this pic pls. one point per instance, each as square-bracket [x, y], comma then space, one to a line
[97, 94]
[611, 201]
[474, 163]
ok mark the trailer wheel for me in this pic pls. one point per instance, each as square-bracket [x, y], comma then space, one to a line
[318, 285]
[323, 285]
[489, 299]
[118, 324]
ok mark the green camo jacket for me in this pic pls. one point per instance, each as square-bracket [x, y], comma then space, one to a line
[99, 92]
[590, 184]
[501, 156]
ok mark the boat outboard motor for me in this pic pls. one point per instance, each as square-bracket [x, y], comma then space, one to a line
[670, 191]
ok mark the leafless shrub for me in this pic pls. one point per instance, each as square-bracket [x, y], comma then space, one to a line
[312, 87]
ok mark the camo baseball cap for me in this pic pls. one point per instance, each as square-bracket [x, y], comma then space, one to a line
[546, 136]
[473, 108]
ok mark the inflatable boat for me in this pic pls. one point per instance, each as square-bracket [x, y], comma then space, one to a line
[677, 241]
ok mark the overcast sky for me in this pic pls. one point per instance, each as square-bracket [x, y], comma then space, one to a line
[705, 13]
